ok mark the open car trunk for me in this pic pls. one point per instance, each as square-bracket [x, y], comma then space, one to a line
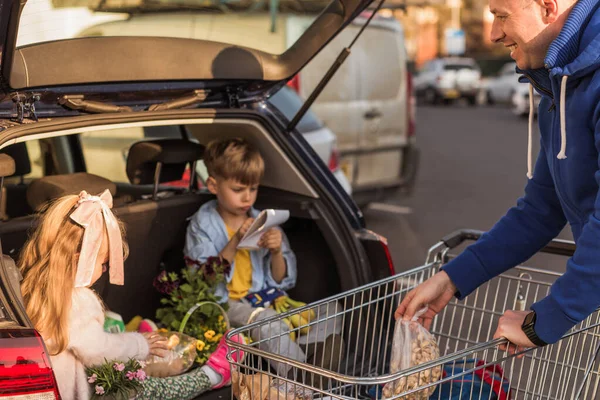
[101, 60]
[156, 227]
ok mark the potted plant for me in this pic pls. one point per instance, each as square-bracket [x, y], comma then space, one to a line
[116, 380]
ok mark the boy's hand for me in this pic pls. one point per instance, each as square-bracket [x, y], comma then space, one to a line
[271, 240]
[245, 226]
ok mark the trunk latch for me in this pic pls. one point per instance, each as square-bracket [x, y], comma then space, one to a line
[25, 105]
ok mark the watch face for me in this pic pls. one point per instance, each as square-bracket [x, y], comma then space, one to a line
[529, 318]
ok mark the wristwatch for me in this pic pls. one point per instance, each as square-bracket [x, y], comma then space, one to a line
[528, 328]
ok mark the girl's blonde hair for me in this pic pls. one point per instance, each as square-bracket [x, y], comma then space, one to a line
[48, 263]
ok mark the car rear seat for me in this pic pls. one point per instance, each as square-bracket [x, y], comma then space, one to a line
[155, 228]
[16, 205]
[15, 231]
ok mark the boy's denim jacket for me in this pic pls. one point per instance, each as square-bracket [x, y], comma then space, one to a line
[207, 235]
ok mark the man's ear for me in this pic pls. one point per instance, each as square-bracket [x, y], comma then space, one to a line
[551, 10]
[211, 184]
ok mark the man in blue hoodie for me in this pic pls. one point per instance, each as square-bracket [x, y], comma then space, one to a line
[556, 44]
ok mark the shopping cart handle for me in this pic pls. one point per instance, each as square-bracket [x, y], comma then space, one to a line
[456, 238]
[556, 246]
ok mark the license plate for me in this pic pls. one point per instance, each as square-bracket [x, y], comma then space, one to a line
[346, 168]
[452, 94]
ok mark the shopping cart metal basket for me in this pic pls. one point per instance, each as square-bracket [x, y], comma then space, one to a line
[569, 369]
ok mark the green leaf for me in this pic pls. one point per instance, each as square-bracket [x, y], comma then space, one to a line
[186, 288]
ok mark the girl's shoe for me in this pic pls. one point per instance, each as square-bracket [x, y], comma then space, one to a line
[218, 360]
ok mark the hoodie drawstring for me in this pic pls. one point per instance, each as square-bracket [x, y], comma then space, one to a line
[563, 121]
[563, 126]
[530, 135]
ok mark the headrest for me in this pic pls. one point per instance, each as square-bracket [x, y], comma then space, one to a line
[7, 165]
[20, 155]
[52, 187]
[173, 154]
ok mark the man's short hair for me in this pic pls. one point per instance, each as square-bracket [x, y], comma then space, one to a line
[234, 159]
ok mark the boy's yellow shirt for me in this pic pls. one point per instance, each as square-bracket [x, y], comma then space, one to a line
[241, 281]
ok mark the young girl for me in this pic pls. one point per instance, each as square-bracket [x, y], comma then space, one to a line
[77, 239]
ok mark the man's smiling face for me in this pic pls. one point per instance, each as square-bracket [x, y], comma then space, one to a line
[522, 26]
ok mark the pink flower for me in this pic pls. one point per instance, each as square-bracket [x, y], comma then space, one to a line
[119, 367]
[142, 364]
[99, 390]
[131, 375]
[92, 379]
[141, 375]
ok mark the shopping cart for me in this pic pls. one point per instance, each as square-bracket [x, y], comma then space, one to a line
[569, 369]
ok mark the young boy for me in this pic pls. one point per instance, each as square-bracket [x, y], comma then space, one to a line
[235, 169]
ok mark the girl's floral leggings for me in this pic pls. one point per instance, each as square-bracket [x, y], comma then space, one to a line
[182, 387]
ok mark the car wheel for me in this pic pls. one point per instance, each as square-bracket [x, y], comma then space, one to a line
[490, 98]
[518, 105]
[431, 96]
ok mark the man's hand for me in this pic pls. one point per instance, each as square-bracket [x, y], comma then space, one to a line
[245, 226]
[509, 327]
[436, 293]
[271, 240]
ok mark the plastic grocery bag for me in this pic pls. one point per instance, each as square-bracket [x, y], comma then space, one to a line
[412, 345]
[182, 353]
[250, 387]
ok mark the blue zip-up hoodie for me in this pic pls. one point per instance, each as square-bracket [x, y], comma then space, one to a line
[564, 186]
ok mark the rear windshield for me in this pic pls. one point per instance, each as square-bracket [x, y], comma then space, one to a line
[289, 103]
[246, 23]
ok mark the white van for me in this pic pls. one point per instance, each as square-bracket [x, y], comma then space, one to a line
[368, 104]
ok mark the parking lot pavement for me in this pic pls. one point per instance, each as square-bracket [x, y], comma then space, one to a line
[472, 170]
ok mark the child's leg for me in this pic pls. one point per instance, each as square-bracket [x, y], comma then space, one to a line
[213, 375]
[181, 387]
[240, 314]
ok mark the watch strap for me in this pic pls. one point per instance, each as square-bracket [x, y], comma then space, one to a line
[529, 330]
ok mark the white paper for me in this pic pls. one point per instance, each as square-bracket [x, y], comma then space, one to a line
[266, 220]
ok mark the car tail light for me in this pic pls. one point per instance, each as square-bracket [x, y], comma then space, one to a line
[294, 83]
[25, 371]
[334, 160]
[411, 103]
[386, 249]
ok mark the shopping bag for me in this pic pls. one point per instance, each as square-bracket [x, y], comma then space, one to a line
[483, 383]
[412, 345]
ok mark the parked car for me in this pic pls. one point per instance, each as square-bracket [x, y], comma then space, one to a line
[448, 79]
[319, 136]
[500, 89]
[63, 98]
[505, 88]
[368, 104]
[519, 101]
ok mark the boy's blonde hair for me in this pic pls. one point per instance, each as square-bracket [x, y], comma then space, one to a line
[234, 159]
[48, 263]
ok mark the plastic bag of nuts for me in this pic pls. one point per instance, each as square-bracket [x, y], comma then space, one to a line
[412, 345]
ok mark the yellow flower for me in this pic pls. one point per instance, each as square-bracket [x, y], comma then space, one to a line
[209, 334]
[220, 318]
[162, 330]
[200, 345]
[216, 338]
